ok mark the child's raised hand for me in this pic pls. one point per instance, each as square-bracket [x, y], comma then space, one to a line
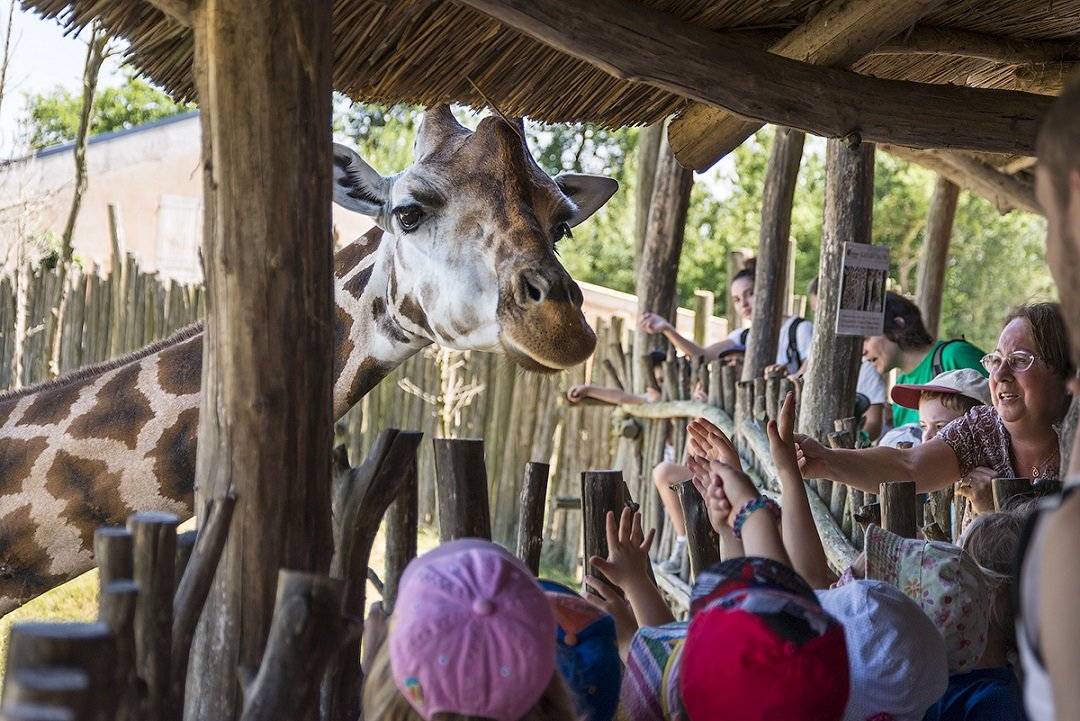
[782, 441]
[710, 443]
[628, 550]
[717, 506]
[608, 600]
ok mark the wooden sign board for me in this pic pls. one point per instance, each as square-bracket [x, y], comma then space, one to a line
[862, 290]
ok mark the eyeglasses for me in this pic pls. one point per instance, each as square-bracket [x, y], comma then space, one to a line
[1019, 361]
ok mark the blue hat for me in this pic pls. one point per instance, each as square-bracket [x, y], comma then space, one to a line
[737, 348]
[587, 652]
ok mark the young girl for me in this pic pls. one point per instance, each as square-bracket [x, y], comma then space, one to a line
[472, 638]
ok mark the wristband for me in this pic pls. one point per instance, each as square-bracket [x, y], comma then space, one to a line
[749, 507]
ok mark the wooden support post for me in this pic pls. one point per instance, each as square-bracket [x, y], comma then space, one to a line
[760, 398]
[601, 491]
[263, 79]
[838, 494]
[191, 592]
[736, 261]
[155, 558]
[898, 508]
[774, 247]
[773, 400]
[88, 647]
[402, 522]
[930, 286]
[308, 629]
[702, 541]
[716, 384]
[704, 300]
[1006, 488]
[113, 549]
[461, 478]
[361, 497]
[656, 287]
[829, 387]
[728, 384]
[116, 609]
[185, 545]
[531, 521]
[58, 687]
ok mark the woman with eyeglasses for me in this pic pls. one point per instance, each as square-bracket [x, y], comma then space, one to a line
[1016, 437]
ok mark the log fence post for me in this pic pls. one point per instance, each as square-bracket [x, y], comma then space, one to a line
[154, 572]
[461, 478]
[530, 539]
[601, 491]
[898, 508]
[702, 541]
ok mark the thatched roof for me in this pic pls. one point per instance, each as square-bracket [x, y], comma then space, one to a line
[427, 51]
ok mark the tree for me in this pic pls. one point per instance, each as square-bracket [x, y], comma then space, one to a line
[53, 117]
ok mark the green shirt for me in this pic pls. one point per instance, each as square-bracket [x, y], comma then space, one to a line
[957, 354]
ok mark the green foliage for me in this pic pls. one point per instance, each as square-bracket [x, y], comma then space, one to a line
[53, 117]
[996, 261]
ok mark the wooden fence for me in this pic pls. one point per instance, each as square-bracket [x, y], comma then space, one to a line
[520, 416]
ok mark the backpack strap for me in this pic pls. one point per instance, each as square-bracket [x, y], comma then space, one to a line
[743, 336]
[793, 354]
[936, 364]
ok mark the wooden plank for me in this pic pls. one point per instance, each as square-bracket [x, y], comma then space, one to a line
[636, 43]
[774, 249]
[837, 36]
[1006, 192]
[933, 259]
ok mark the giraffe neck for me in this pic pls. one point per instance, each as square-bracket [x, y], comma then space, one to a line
[90, 449]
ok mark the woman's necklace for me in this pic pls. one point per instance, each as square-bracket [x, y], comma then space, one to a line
[1036, 471]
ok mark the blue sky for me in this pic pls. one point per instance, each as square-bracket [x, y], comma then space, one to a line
[41, 58]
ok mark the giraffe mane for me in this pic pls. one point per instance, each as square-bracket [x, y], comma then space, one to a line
[97, 368]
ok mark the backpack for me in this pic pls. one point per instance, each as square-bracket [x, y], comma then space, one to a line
[793, 355]
[936, 367]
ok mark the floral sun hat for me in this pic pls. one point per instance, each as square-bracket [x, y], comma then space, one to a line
[946, 583]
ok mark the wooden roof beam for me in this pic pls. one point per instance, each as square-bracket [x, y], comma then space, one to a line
[1006, 192]
[837, 36]
[635, 43]
[926, 40]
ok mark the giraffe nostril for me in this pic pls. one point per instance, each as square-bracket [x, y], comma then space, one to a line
[532, 288]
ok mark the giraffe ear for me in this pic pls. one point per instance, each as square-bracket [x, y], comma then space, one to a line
[588, 192]
[436, 128]
[357, 186]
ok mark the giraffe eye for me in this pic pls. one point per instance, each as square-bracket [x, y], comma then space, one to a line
[409, 217]
[562, 230]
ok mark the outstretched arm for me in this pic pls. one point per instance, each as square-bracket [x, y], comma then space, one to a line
[653, 323]
[801, 539]
[931, 465]
[614, 396]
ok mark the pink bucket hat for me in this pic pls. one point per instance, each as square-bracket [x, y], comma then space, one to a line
[944, 580]
[962, 382]
[472, 633]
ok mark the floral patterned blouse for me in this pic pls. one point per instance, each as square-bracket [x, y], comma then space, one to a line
[979, 438]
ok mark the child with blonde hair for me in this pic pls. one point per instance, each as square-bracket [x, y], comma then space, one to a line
[471, 638]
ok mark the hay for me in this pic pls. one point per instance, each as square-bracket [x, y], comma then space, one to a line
[428, 51]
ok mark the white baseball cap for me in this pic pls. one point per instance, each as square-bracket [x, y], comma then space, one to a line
[964, 381]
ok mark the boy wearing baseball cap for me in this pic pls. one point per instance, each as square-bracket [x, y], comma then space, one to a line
[945, 398]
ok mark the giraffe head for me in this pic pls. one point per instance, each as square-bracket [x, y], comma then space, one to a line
[469, 234]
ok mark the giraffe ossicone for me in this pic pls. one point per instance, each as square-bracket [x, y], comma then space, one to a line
[463, 255]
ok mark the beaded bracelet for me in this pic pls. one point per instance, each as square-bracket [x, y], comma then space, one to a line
[749, 507]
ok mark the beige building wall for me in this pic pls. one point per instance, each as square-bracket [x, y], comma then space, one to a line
[151, 173]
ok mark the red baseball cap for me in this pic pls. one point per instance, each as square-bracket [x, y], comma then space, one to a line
[761, 647]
